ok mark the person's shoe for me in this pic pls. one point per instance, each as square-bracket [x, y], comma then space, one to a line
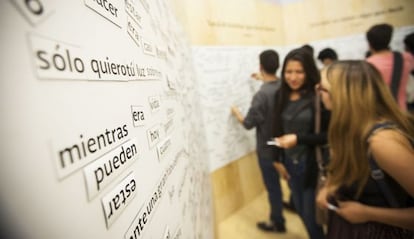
[271, 227]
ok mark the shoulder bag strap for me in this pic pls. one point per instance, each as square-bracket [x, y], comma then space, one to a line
[318, 148]
[396, 74]
[378, 175]
[376, 172]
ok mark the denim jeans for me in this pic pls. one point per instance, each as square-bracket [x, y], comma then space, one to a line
[272, 184]
[303, 198]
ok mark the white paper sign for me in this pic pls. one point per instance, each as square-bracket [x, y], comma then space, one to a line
[74, 152]
[58, 60]
[35, 11]
[167, 234]
[153, 135]
[155, 103]
[163, 148]
[107, 168]
[117, 200]
[133, 31]
[139, 115]
[109, 9]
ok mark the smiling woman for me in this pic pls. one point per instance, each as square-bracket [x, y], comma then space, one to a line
[295, 130]
[294, 76]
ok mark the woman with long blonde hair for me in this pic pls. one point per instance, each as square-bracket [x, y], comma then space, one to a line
[361, 102]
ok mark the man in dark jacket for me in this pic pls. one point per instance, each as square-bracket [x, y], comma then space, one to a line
[260, 116]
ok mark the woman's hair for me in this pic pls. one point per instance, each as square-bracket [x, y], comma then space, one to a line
[312, 78]
[360, 98]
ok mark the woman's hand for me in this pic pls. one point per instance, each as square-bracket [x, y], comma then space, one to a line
[287, 141]
[282, 170]
[352, 211]
[236, 112]
[322, 198]
[257, 76]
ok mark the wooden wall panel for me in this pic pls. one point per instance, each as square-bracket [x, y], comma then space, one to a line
[235, 185]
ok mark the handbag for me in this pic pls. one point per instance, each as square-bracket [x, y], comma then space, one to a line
[321, 214]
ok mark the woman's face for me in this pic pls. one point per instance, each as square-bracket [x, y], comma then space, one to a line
[324, 89]
[294, 74]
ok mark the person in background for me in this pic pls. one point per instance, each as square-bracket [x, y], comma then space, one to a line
[368, 54]
[379, 38]
[309, 49]
[294, 128]
[260, 117]
[409, 47]
[366, 126]
[327, 56]
[290, 204]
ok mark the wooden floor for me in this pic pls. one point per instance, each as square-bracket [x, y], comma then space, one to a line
[242, 224]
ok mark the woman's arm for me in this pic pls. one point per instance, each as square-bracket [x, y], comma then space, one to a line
[322, 197]
[320, 138]
[312, 139]
[395, 155]
[282, 170]
[356, 212]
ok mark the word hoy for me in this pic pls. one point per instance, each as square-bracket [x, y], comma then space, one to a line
[153, 135]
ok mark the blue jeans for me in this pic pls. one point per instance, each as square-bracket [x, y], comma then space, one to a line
[303, 198]
[272, 184]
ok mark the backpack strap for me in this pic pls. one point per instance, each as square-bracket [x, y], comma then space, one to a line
[396, 74]
[377, 173]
